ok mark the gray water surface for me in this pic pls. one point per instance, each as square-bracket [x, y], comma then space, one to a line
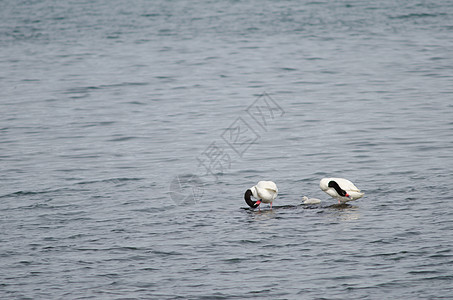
[129, 132]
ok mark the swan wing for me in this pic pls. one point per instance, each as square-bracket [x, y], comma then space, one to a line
[267, 191]
[267, 185]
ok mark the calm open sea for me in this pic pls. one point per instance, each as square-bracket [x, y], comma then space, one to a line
[130, 130]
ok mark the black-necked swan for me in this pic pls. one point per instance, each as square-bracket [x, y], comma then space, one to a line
[263, 191]
[341, 189]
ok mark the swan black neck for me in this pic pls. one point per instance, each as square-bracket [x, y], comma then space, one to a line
[334, 184]
[250, 202]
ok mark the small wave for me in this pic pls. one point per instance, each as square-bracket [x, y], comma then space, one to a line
[288, 69]
[415, 15]
[165, 253]
[122, 139]
[423, 272]
[110, 180]
[94, 124]
[151, 15]
[83, 91]
[28, 193]
[235, 260]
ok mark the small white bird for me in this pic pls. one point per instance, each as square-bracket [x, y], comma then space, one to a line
[341, 189]
[310, 200]
[264, 191]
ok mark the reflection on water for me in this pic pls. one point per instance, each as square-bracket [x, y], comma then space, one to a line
[263, 214]
[344, 212]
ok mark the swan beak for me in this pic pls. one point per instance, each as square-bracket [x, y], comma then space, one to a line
[258, 202]
[347, 195]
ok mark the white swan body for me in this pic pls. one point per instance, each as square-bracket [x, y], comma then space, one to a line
[310, 200]
[341, 189]
[263, 191]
